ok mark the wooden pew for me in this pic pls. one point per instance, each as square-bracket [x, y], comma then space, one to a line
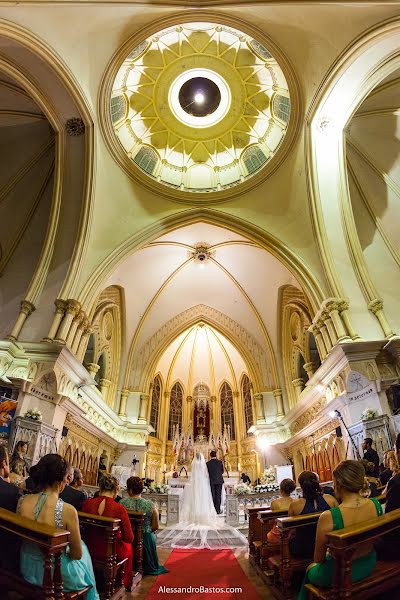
[52, 543]
[137, 522]
[342, 545]
[108, 571]
[254, 530]
[263, 548]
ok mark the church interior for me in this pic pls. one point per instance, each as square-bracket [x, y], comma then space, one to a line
[204, 254]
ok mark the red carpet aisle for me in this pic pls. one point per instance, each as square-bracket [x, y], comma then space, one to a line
[207, 568]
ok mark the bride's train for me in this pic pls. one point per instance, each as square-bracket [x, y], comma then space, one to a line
[199, 526]
[190, 535]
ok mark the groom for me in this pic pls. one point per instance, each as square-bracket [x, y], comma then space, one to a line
[215, 470]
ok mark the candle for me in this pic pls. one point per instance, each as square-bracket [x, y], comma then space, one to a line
[238, 466]
[165, 467]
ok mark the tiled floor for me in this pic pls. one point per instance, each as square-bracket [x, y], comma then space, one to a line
[141, 591]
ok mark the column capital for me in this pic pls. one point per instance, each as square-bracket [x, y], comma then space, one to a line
[309, 367]
[189, 398]
[277, 392]
[93, 368]
[27, 307]
[125, 392]
[60, 306]
[375, 305]
[298, 382]
[79, 318]
[213, 398]
[143, 396]
[343, 304]
[73, 306]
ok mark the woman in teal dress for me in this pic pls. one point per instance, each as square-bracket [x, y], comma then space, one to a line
[47, 508]
[349, 482]
[135, 502]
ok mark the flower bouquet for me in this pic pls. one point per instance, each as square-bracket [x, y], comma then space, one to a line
[267, 487]
[156, 488]
[269, 476]
[369, 413]
[34, 414]
[242, 488]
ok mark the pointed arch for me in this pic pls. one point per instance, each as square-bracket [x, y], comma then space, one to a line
[245, 388]
[227, 409]
[156, 395]
[175, 409]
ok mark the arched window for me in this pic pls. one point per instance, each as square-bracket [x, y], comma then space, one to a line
[102, 369]
[248, 407]
[118, 106]
[253, 159]
[227, 413]
[146, 159]
[89, 351]
[281, 107]
[155, 404]
[175, 409]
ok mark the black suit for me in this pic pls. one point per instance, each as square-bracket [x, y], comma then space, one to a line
[372, 456]
[215, 471]
[9, 544]
[388, 546]
[74, 497]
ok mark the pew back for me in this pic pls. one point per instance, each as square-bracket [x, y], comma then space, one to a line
[137, 523]
[52, 543]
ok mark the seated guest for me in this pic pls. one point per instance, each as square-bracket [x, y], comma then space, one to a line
[287, 486]
[373, 482]
[9, 493]
[302, 544]
[104, 504]
[386, 472]
[71, 493]
[9, 496]
[47, 508]
[349, 481]
[18, 464]
[134, 486]
[388, 546]
[371, 455]
[245, 478]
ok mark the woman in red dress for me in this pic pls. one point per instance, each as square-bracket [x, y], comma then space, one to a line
[105, 506]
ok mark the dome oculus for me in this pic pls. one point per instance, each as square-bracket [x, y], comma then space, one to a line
[200, 107]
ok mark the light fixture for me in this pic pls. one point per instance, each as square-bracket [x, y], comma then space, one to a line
[199, 98]
[335, 413]
[320, 387]
[262, 443]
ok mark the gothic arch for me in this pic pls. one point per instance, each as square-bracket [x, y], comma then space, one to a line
[141, 367]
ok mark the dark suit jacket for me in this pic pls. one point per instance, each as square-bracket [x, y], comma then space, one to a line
[372, 456]
[9, 545]
[74, 497]
[215, 470]
[388, 546]
[393, 494]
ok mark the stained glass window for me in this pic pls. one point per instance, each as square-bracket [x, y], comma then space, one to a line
[253, 159]
[227, 413]
[175, 409]
[281, 107]
[146, 159]
[118, 107]
[248, 408]
[155, 404]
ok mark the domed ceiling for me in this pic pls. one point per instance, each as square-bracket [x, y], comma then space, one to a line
[200, 107]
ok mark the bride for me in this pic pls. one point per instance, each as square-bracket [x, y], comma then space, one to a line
[199, 526]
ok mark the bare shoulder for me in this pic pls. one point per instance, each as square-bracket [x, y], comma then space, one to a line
[325, 521]
[330, 500]
[296, 506]
[69, 511]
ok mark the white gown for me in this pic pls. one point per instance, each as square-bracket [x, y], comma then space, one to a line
[199, 526]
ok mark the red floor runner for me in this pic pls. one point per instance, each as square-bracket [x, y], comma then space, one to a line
[202, 568]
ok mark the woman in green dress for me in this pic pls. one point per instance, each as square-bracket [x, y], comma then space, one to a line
[151, 565]
[349, 482]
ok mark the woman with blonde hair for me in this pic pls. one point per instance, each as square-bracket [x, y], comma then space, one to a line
[349, 480]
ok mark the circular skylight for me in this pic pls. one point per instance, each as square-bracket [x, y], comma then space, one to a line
[200, 107]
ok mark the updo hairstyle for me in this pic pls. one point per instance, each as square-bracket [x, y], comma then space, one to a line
[309, 484]
[134, 485]
[349, 475]
[108, 483]
[50, 469]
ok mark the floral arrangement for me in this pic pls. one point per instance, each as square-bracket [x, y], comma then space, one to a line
[267, 487]
[269, 476]
[242, 488]
[34, 414]
[156, 488]
[368, 413]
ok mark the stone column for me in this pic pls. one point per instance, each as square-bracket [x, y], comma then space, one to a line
[122, 402]
[332, 306]
[72, 309]
[144, 402]
[298, 385]
[74, 326]
[279, 401]
[27, 309]
[60, 311]
[104, 386]
[318, 340]
[325, 335]
[330, 327]
[376, 307]
[82, 325]
[83, 342]
[309, 369]
[343, 307]
[93, 368]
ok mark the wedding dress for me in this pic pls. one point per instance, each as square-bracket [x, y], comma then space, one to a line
[199, 525]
